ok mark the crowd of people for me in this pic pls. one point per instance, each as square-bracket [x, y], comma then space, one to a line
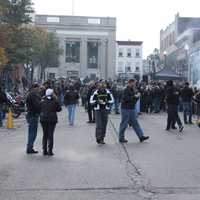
[99, 99]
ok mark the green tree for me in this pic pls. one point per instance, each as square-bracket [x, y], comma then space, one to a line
[3, 59]
[16, 12]
[46, 50]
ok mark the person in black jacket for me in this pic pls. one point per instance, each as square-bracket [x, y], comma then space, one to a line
[33, 104]
[90, 108]
[187, 95]
[128, 112]
[172, 99]
[3, 102]
[48, 119]
[70, 100]
[101, 99]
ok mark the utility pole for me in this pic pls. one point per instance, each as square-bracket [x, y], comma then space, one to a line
[73, 5]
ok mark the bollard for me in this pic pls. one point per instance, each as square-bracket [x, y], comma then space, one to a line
[10, 124]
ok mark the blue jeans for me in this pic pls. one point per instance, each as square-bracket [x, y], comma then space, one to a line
[187, 111]
[129, 116]
[157, 101]
[71, 113]
[137, 107]
[32, 130]
[116, 105]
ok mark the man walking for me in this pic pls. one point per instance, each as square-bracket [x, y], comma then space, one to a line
[128, 112]
[102, 99]
[71, 100]
[172, 99]
[187, 96]
[33, 103]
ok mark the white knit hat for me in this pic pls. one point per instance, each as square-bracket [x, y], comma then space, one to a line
[49, 93]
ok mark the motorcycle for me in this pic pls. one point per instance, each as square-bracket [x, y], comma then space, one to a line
[16, 105]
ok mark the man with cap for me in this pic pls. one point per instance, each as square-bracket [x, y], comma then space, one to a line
[101, 99]
[33, 103]
[128, 112]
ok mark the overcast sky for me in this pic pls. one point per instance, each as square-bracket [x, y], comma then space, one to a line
[136, 19]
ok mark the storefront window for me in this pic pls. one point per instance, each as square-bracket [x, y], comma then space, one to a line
[72, 52]
[92, 49]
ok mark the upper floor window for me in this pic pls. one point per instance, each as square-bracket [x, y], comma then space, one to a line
[137, 52]
[120, 53]
[72, 52]
[92, 51]
[129, 53]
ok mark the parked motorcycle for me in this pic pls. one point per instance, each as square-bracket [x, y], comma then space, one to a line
[16, 105]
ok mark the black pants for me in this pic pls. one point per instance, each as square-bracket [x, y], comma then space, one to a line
[101, 123]
[173, 116]
[91, 113]
[48, 135]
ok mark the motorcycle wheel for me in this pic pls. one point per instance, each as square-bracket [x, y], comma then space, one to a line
[16, 112]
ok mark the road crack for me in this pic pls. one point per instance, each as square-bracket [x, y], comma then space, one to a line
[141, 183]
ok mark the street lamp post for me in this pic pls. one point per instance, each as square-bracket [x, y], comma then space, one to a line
[186, 47]
[73, 5]
[165, 58]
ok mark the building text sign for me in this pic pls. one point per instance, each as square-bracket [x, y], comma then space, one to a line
[94, 21]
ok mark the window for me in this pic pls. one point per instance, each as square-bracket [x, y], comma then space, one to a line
[120, 67]
[137, 67]
[72, 52]
[92, 49]
[137, 52]
[129, 53]
[51, 76]
[128, 67]
[120, 53]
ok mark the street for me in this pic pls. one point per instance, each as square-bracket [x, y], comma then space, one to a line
[166, 167]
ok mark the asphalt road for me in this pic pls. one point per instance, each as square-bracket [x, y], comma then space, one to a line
[166, 167]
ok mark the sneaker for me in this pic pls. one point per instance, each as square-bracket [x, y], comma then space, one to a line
[50, 153]
[102, 142]
[123, 141]
[98, 141]
[174, 127]
[181, 129]
[143, 138]
[45, 153]
[32, 151]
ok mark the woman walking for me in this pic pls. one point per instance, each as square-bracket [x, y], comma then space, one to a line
[48, 119]
[70, 100]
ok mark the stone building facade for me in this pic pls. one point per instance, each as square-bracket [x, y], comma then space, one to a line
[129, 62]
[89, 45]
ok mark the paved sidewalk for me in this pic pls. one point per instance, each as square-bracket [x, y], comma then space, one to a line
[164, 168]
[170, 161]
[80, 168]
